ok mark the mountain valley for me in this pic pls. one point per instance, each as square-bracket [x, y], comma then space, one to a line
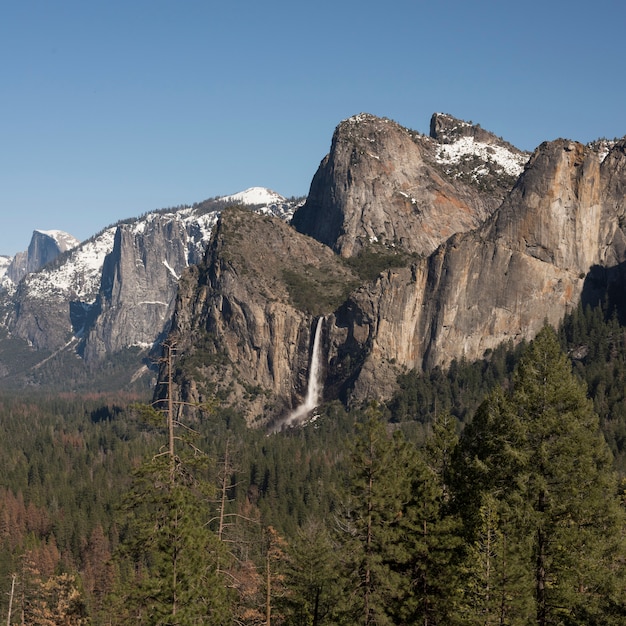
[416, 250]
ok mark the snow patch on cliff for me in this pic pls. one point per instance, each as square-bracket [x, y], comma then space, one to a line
[511, 163]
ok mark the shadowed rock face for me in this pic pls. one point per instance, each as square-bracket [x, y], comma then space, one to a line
[521, 264]
[138, 287]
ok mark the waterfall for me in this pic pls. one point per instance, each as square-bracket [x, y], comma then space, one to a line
[314, 386]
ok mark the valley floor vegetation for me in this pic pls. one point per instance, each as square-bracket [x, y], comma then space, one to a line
[486, 494]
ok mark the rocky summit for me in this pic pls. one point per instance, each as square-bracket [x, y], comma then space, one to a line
[384, 184]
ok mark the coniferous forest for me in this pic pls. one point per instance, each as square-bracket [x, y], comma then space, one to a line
[489, 493]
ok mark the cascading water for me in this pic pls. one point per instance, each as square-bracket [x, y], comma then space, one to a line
[314, 388]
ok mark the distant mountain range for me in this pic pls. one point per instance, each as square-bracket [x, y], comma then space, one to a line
[109, 294]
[413, 249]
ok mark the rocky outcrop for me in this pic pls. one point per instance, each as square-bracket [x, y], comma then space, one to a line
[529, 261]
[44, 247]
[381, 184]
[446, 129]
[244, 317]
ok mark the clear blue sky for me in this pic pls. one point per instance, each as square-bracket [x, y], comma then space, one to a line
[109, 108]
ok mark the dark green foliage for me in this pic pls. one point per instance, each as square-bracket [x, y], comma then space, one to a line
[315, 290]
[312, 577]
[400, 546]
[459, 390]
[375, 498]
[534, 479]
[570, 489]
[174, 577]
[596, 343]
[373, 260]
[67, 460]
[593, 339]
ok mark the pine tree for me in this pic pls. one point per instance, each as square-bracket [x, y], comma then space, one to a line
[570, 490]
[312, 577]
[377, 494]
[61, 603]
[167, 540]
[440, 447]
[426, 536]
[403, 546]
[495, 579]
[538, 461]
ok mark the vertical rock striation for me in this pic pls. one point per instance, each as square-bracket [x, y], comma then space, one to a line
[526, 264]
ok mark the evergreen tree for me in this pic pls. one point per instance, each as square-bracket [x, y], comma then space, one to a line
[570, 490]
[61, 603]
[425, 545]
[403, 546]
[440, 447]
[533, 478]
[175, 556]
[312, 577]
[496, 579]
[378, 491]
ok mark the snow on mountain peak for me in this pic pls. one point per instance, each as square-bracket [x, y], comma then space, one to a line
[255, 195]
[5, 261]
[78, 275]
[64, 240]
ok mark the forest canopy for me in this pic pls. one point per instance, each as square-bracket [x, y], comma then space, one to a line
[487, 493]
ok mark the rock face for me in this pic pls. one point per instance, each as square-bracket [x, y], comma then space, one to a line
[382, 183]
[44, 247]
[110, 298]
[138, 286]
[556, 237]
[528, 263]
[115, 292]
[414, 250]
[244, 317]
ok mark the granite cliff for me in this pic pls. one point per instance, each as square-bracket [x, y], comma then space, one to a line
[382, 183]
[243, 322]
[413, 249]
[45, 247]
[468, 255]
[556, 239]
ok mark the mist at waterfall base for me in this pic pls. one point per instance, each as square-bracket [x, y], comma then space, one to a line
[314, 388]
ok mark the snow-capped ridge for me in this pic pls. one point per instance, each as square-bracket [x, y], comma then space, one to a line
[471, 153]
[5, 261]
[255, 196]
[73, 295]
